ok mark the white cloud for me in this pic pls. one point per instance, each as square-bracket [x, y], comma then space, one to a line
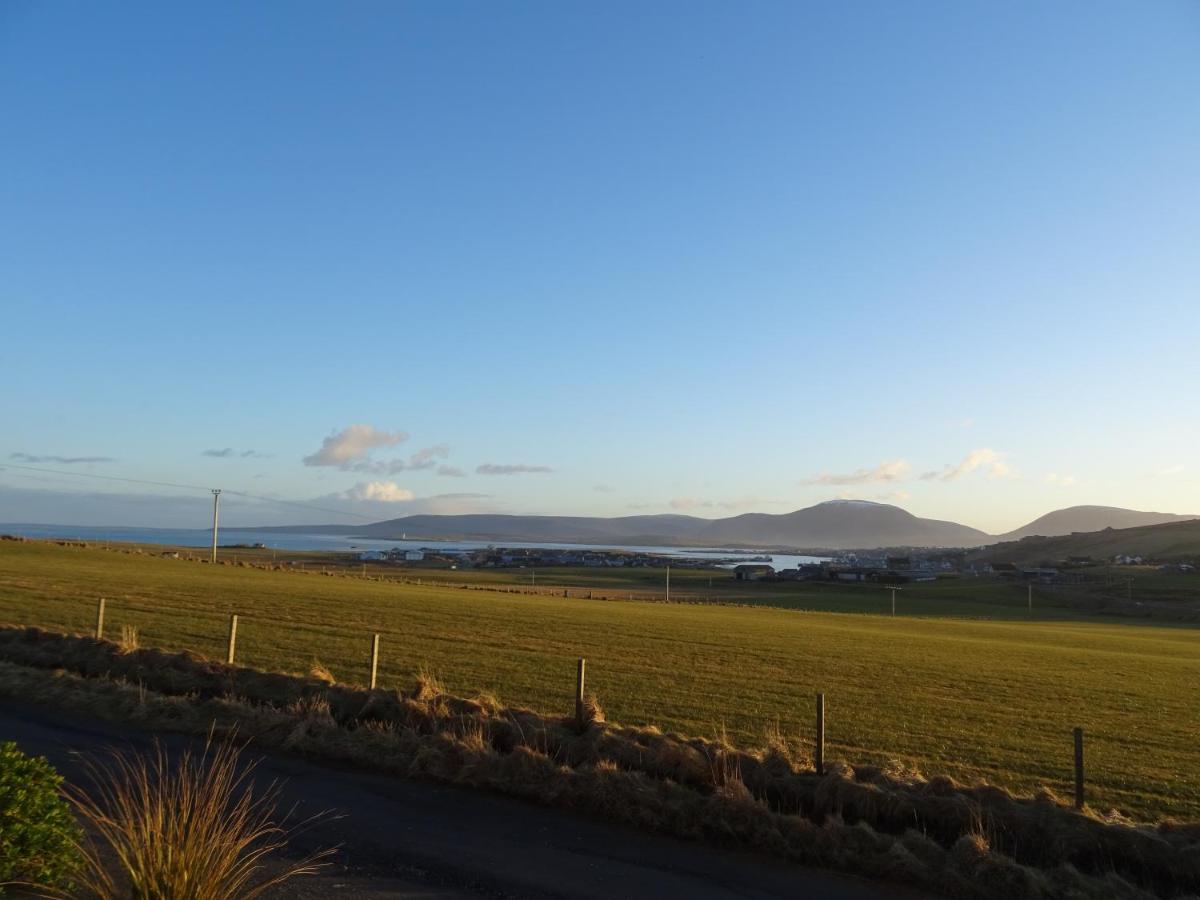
[1171, 471]
[352, 444]
[377, 491]
[891, 470]
[451, 472]
[685, 503]
[1060, 480]
[984, 458]
[513, 469]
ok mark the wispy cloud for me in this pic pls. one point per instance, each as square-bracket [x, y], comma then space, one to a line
[352, 444]
[60, 460]
[423, 459]
[985, 459]
[377, 491]
[892, 470]
[388, 499]
[604, 489]
[451, 472]
[683, 504]
[1060, 480]
[687, 503]
[1171, 471]
[514, 469]
[230, 453]
[427, 458]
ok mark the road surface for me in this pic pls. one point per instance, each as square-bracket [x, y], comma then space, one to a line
[413, 839]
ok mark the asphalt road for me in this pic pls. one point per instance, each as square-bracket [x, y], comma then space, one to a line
[412, 839]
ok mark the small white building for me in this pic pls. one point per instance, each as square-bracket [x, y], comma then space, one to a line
[414, 555]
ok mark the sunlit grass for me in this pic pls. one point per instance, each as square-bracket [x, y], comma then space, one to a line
[991, 698]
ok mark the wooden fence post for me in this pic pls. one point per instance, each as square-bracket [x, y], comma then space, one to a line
[579, 682]
[100, 619]
[374, 659]
[819, 751]
[1079, 768]
[232, 638]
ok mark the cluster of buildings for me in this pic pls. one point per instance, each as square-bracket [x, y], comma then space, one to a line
[395, 555]
[852, 567]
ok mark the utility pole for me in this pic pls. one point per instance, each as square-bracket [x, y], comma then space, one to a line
[216, 501]
[668, 597]
[533, 577]
[1031, 599]
[893, 602]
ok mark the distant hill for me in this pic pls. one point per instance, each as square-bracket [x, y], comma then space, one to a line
[836, 525]
[842, 524]
[1168, 541]
[1088, 519]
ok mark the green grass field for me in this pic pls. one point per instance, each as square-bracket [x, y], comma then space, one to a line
[996, 698]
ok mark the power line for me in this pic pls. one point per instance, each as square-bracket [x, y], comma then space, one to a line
[189, 487]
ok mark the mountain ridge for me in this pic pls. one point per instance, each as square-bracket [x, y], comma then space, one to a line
[1086, 519]
[831, 525]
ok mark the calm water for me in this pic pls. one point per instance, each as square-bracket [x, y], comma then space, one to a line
[194, 537]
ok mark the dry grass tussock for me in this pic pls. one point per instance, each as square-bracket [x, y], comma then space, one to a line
[188, 828]
[320, 673]
[129, 639]
[961, 840]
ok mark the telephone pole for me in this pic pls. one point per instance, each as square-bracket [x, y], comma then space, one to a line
[216, 501]
[668, 596]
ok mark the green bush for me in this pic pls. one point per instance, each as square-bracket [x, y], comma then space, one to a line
[38, 834]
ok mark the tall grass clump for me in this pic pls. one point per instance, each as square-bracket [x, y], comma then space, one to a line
[183, 829]
[129, 639]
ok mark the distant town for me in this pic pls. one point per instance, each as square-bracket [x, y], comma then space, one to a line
[849, 567]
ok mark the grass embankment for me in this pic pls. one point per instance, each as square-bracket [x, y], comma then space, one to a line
[970, 699]
[977, 842]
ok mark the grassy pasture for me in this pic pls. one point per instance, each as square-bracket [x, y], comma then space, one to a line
[969, 698]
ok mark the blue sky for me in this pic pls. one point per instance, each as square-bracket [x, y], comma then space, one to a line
[691, 257]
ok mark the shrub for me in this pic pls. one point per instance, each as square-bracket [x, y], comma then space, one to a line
[38, 835]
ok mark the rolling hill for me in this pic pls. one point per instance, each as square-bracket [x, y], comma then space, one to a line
[835, 525]
[1166, 541]
[1090, 518]
[843, 524]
